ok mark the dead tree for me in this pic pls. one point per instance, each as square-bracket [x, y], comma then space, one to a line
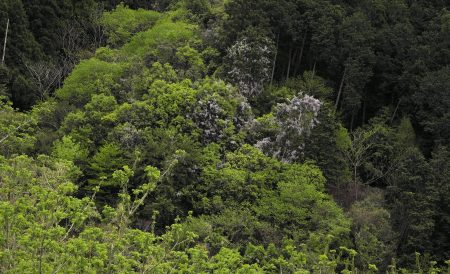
[46, 77]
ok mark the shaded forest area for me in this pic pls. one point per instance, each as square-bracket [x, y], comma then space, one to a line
[212, 136]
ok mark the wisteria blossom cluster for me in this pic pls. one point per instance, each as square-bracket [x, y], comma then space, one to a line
[295, 120]
[244, 115]
[299, 115]
[250, 65]
[208, 118]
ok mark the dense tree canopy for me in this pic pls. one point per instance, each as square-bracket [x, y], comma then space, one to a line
[234, 136]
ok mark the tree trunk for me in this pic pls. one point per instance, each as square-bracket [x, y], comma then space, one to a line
[6, 38]
[314, 69]
[298, 64]
[340, 90]
[395, 111]
[293, 60]
[289, 63]
[275, 60]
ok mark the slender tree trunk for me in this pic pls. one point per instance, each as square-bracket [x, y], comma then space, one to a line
[293, 61]
[289, 63]
[340, 89]
[299, 62]
[395, 111]
[6, 38]
[314, 69]
[275, 60]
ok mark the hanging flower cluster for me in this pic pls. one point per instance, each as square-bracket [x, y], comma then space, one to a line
[250, 63]
[294, 121]
[209, 117]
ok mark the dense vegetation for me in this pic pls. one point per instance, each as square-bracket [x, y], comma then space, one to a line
[208, 136]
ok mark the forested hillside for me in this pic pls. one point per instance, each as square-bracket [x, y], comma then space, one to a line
[225, 136]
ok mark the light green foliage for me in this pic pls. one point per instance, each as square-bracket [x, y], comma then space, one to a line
[141, 82]
[36, 223]
[360, 149]
[138, 113]
[107, 54]
[205, 109]
[274, 200]
[99, 105]
[240, 180]
[16, 130]
[45, 228]
[160, 41]
[90, 77]
[343, 140]
[67, 149]
[264, 126]
[122, 23]
[170, 103]
[104, 162]
[190, 63]
[75, 124]
[152, 163]
[300, 206]
[90, 125]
